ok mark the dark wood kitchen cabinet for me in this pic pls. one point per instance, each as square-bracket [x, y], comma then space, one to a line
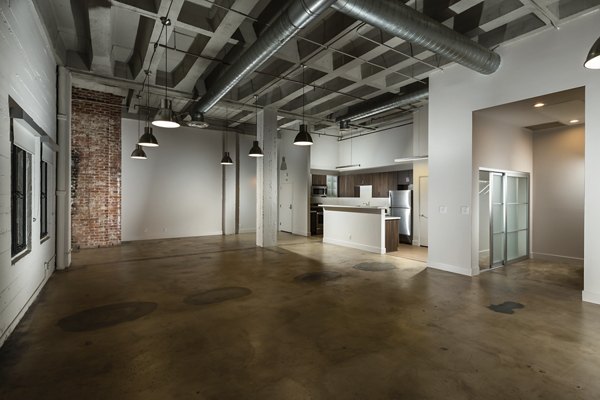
[319, 180]
[382, 183]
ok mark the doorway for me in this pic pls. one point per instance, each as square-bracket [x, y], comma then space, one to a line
[285, 207]
[503, 218]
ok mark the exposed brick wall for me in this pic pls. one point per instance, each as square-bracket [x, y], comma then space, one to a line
[96, 169]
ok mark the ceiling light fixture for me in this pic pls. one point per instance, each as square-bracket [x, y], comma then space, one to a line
[573, 121]
[408, 159]
[198, 121]
[148, 139]
[164, 116]
[538, 105]
[303, 137]
[592, 61]
[256, 151]
[138, 152]
[344, 126]
[347, 166]
[226, 160]
[283, 164]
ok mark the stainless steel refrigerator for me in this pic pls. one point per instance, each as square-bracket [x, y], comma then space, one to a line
[401, 206]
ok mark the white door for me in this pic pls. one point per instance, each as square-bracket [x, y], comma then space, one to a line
[423, 204]
[285, 207]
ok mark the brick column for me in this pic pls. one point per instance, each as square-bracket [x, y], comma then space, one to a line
[95, 168]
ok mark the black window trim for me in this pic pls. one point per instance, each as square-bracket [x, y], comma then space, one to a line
[44, 234]
[19, 251]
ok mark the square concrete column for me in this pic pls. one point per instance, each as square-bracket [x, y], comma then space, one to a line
[266, 179]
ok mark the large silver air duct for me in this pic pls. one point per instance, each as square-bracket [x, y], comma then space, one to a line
[297, 15]
[404, 22]
[375, 106]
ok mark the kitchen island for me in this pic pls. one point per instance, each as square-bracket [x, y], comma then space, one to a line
[359, 227]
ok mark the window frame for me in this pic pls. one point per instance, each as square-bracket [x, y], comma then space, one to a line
[43, 200]
[21, 161]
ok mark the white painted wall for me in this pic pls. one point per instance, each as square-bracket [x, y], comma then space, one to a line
[558, 188]
[247, 186]
[548, 62]
[229, 184]
[28, 75]
[378, 149]
[177, 191]
[298, 160]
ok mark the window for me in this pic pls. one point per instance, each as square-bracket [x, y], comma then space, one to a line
[43, 199]
[21, 161]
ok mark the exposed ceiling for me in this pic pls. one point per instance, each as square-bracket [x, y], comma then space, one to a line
[112, 42]
[559, 109]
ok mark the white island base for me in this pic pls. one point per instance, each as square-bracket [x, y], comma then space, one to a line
[361, 228]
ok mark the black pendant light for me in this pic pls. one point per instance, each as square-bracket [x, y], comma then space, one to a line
[138, 152]
[303, 137]
[256, 151]
[148, 139]
[592, 61]
[226, 160]
[164, 116]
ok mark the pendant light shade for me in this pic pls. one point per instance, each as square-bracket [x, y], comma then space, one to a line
[226, 160]
[256, 151]
[592, 60]
[303, 137]
[138, 153]
[198, 121]
[148, 139]
[283, 164]
[164, 116]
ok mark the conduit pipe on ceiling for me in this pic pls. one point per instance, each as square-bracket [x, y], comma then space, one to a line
[372, 107]
[297, 15]
[406, 23]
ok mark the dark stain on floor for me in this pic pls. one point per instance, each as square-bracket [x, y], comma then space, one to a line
[216, 295]
[316, 277]
[374, 266]
[105, 316]
[507, 307]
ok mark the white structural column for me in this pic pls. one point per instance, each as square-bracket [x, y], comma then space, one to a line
[63, 171]
[266, 179]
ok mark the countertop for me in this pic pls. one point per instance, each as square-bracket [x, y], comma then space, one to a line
[392, 218]
[357, 207]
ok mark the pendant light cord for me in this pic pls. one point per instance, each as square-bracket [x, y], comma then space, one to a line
[303, 121]
[166, 57]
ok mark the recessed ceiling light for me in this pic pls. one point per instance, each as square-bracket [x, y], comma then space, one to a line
[573, 121]
[538, 105]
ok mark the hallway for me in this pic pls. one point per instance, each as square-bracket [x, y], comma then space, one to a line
[217, 318]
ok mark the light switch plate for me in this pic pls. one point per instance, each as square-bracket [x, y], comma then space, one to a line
[443, 210]
[464, 210]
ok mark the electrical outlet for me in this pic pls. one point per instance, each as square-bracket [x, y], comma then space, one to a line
[443, 210]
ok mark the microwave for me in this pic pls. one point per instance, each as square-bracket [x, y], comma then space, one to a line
[319, 190]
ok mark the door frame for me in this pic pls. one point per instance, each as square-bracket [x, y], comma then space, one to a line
[421, 211]
[505, 174]
[291, 188]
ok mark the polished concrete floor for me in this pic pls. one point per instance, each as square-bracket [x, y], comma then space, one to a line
[416, 253]
[217, 318]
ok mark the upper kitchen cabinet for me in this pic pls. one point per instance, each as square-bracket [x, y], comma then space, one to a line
[319, 180]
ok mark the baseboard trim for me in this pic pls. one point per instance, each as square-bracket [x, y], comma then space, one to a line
[364, 247]
[590, 297]
[557, 258]
[451, 268]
